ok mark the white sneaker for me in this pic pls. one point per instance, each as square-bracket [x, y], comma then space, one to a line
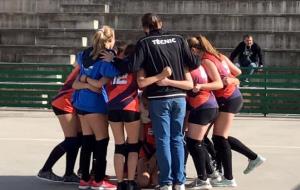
[223, 183]
[215, 176]
[179, 187]
[254, 163]
[199, 184]
[165, 187]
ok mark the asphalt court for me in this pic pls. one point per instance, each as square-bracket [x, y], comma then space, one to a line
[27, 137]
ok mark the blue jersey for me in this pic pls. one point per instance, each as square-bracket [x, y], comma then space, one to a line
[85, 99]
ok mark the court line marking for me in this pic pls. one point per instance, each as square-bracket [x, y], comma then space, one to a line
[58, 140]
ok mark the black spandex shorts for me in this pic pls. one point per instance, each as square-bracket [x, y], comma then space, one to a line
[231, 106]
[58, 111]
[203, 116]
[123, 116]
[81, 112]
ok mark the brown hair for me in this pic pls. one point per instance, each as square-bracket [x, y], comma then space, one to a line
[151, 21]
[101, 37]
[200, 42]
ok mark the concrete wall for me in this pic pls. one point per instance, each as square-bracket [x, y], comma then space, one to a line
[51, 29]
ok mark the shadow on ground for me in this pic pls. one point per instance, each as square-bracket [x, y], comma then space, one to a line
[31, 183]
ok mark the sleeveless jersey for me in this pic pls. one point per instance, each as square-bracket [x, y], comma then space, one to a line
[63, 99]
[204, 98]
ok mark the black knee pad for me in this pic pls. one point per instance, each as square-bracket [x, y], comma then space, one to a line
[135, 147]
[121, 149]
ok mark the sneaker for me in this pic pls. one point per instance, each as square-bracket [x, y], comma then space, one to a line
[199, 184]
[223, 183]
[49, 176]
[179, 187]
[254, 163]
[84, 184]
[215, 176]
[103, 185]
[122, 185]
[132, 185]
[71, 179]
[165, 187]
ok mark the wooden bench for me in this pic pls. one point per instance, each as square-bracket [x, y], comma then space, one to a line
[29, 84]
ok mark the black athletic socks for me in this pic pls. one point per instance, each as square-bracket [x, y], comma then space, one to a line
[224, 154]
[72, 151]
[100, 155]
[55, 155]
[197, 151]
[88, 143]
[239, 147]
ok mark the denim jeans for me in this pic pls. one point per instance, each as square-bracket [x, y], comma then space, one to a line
[167, 116]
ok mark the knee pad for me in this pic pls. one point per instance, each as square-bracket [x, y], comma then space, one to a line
[135, 147]
[121, 149]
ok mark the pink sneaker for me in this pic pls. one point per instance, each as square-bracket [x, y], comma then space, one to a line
[85, 184]
[103, 185]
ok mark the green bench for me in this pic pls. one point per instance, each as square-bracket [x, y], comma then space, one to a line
[272, 90]
[30, 85]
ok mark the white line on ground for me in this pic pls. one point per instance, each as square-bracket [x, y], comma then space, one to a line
[58, 140]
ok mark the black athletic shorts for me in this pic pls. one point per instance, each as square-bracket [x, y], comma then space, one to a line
[81, 112]
[58, 111]
[203, 116]
[230, 105]
[123, 116]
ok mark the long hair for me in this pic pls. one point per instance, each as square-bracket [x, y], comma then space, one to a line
[100, 39]
[200, 42]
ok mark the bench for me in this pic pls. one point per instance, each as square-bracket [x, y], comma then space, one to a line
[30, 84]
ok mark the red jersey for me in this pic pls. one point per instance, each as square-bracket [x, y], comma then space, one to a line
[63, 99]
[148, 148]
[223, 69]
[204, 98]
[123, 93]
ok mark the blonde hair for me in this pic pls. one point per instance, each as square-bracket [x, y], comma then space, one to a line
[100, 39]
[200, 42]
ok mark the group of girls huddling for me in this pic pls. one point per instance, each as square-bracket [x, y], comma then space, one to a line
[107, 88]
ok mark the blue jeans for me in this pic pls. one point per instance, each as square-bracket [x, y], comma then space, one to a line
[167, 116]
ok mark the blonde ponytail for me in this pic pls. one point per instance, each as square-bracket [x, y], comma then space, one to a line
[100, 39]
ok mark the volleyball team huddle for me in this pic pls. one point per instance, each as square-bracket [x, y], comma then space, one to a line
[165, 93]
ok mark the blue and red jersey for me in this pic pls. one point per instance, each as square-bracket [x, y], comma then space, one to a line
[87, 100]
[148, 148]
[123, 93]
[204, 98]
[63, 99]
[227, 92]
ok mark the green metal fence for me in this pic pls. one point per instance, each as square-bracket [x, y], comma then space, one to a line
[30, 85]
[269, 90]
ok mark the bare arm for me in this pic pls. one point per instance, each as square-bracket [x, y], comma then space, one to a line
[146, 81]
[82, 85]
[97, 83]
[234, 70]
[213, 74]
[186, 84]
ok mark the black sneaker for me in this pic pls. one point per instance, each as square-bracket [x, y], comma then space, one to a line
[132, 185]
[71, 179]
[49, 176]
[122, 185]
